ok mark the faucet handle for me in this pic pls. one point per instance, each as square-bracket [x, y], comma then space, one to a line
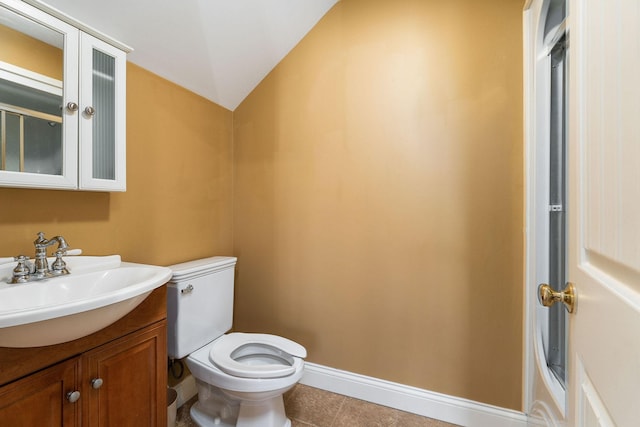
[59, 266]
[22, 271]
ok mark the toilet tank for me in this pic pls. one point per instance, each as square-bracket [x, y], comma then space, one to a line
[199, 303]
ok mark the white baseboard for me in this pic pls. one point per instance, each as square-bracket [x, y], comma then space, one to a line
[439, 406]
[186, 389]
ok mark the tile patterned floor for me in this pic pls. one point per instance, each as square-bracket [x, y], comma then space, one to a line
[311, 407]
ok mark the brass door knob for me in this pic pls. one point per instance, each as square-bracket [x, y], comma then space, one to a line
[548, 296]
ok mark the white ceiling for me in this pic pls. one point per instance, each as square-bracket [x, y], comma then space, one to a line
[220, 49]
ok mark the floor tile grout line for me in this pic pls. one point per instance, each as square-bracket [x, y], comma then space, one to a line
[306, 423]
[335, 417]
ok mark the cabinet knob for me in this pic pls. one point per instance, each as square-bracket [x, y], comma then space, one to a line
[96, 383]
[72, 106]
[89, 111]
[73, 396]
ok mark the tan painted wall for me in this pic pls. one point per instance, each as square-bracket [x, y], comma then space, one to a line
[378, 196]
[178, 200]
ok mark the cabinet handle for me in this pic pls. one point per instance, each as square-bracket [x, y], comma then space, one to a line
[73, 396]
[89, 111]
[72, 106]
[96, 383]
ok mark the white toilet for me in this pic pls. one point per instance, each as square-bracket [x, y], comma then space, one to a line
[240, 377]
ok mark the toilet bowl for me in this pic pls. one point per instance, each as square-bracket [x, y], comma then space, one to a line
[244, 376]
[240, 376]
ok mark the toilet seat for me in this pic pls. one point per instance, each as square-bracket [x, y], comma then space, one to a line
[255, 355]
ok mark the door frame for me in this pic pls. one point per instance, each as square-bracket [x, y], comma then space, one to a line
[544, 399]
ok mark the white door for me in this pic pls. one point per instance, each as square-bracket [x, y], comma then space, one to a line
[604, 213]
[603, 355]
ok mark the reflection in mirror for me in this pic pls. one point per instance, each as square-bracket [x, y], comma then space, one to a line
[31, 72]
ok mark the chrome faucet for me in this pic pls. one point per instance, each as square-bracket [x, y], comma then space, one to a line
[27, 272]
[41, 263]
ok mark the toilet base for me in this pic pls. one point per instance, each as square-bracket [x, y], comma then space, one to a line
[217, 408]
[204, 419]
[265, 413]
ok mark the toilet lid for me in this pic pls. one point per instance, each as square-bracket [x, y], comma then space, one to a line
[256, 355]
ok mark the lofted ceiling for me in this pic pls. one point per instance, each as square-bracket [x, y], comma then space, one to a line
[219, 49]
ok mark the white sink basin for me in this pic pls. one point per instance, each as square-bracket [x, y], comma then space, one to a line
[97, 292]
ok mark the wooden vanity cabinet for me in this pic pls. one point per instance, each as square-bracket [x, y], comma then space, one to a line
[119, 372]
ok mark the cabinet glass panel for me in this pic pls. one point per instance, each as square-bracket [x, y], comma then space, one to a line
[31, 69]
[43, 153]
[104, 100]
[11, 129]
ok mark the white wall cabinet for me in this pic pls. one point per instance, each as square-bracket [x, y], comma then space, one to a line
[85, 147]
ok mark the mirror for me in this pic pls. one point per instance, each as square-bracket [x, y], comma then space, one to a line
[31, 95]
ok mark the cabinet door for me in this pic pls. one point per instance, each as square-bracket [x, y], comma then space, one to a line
[41, 399]
[38, 89]
[125, 381]
[102, 116]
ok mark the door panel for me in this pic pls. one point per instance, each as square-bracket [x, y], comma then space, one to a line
[604, 216]
[591, 411]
